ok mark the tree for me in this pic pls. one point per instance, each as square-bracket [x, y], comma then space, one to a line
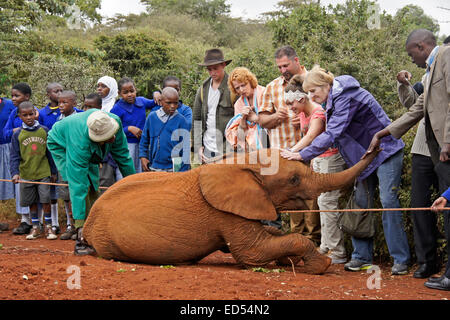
[203, 9]
[18, 18]
[414, 18]
[141, 57]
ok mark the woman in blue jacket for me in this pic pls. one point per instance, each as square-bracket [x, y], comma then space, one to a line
[353, 117]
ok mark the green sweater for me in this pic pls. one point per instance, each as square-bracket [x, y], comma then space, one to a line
[30, 158]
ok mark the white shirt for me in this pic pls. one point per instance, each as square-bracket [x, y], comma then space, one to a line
[209, 138]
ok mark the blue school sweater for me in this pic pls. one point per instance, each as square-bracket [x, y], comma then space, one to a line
[6, 107]
[183, 109]
[48, 117]
[156, 142]
[132, 115]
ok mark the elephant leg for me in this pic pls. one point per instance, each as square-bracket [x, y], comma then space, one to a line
[282, 261]
[264, 247]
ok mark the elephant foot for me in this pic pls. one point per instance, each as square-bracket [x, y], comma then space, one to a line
[316, 263]
[288, 261]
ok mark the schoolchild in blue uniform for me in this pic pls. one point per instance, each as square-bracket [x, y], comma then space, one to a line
[183, 109]
[50, 113]
[6, 188]
[47, 117]
[132, 112]
[20, 92]
[165, 142]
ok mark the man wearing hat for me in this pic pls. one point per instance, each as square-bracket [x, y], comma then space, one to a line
[78, 145]
[213, 108]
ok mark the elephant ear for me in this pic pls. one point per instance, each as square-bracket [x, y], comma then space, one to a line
[236, 189]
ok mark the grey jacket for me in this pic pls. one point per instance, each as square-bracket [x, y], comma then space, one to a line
[433, 104]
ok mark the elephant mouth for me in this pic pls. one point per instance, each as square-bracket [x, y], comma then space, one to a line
[294, 203]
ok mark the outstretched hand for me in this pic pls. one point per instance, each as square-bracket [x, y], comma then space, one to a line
[440, 203]
[376, 141]
[288, 154]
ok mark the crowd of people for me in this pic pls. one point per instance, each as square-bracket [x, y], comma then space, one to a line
[329, 122]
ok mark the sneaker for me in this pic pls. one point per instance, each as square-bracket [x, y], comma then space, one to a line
[23, 228]
[357, 265]
[70, 233]
[337, 260]
[35, 233]
[51, 235]
[399, 269]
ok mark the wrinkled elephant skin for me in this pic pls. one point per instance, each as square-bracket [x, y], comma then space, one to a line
[176, 218]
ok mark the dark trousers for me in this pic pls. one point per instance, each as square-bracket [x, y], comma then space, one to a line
[423, 180]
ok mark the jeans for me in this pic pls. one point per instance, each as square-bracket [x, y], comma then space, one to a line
[389, 176]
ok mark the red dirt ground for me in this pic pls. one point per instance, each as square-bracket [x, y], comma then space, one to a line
[44, 269]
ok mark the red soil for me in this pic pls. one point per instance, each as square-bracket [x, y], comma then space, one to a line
[44, 269]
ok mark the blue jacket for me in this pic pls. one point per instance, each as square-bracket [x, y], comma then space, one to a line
[446, 194]
[132, 115]
[48, 117]
[183, 109]
[156, 142]
[6, 107]
[353, 118]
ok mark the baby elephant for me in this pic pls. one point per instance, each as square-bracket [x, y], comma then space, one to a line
[176, 218]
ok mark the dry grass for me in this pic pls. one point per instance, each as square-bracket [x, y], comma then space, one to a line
[7, 210]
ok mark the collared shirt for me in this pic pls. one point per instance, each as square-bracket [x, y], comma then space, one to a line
[430, 59]
[74, 111]
[209, 139]
[285, 135]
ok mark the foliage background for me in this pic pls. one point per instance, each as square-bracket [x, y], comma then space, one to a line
[43, 41]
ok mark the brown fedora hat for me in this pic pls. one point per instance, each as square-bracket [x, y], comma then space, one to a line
[212, 57]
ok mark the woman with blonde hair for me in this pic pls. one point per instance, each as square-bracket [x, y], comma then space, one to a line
[353, 117]
[243, 131]
[312, 123]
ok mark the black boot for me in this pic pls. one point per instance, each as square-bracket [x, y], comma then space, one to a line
[82, 248]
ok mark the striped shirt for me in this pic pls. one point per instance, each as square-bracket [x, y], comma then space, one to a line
[285, 135]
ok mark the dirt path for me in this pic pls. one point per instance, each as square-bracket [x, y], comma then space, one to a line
[44, 269]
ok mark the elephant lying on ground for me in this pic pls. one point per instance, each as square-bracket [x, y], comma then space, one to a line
[174, 218]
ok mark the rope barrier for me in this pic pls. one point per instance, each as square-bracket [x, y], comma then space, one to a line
[286, 211]
[44, 183]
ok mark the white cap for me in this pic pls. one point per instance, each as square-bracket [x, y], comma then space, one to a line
[101, 126]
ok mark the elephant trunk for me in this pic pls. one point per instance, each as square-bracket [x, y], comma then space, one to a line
[335, 181]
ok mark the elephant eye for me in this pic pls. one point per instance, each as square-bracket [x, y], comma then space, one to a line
[294, 180]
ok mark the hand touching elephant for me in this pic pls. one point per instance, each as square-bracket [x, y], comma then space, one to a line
[173, 218]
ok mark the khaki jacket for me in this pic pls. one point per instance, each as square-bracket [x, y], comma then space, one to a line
[433, 104]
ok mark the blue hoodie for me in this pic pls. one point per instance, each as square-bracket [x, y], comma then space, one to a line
[353, 118]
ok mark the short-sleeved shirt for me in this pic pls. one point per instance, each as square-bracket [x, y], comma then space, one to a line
[285, 135]
[318, 113]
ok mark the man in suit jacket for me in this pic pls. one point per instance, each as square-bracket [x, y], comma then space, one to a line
[434, 106]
